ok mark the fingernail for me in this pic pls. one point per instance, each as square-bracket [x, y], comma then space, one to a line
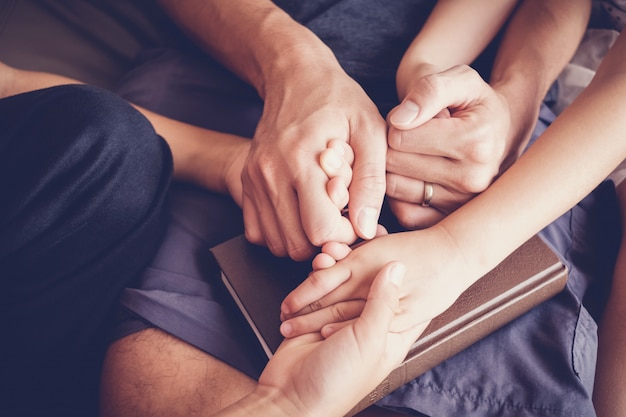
[405, 113]
[338, 147]
[286, 329]
[367, 221]
[327, 331]
[332, 161]
[396, 273]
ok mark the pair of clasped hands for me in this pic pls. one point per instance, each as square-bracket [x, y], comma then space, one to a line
[333, 150]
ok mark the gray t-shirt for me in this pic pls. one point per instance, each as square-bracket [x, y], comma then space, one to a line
[368, 37]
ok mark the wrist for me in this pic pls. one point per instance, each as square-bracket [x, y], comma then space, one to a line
[263, 401]
[288, 50]
[410, 72]
[523, 100]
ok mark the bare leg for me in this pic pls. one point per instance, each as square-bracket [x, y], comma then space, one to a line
[609, 394]
[151, 373]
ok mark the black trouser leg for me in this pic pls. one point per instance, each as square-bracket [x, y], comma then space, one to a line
[82, 183]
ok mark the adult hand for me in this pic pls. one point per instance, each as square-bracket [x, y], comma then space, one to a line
[313, 376]
[451, 132]
[286, 204]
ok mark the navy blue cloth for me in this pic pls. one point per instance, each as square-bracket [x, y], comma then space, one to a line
[541, 364]
[83, 177]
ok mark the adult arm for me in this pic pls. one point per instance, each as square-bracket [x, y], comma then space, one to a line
[488, 130]
[308, 101]
[207, 158]
[307, 375]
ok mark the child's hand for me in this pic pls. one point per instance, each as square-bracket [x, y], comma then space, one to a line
[336, 161]
[435, 278]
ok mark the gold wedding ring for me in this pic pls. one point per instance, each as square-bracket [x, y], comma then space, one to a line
[429, 190]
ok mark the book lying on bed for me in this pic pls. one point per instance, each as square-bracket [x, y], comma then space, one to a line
[259, 281]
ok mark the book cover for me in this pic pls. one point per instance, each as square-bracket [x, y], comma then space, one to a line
[259, 281]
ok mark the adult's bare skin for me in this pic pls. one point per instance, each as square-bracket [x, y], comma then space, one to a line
[305, 377]
[308, 101]
[484, 136]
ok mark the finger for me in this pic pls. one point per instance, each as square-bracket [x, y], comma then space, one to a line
[337, 250]
[334, 165]
[412, 216]
[368, 179]
[343, 149]
[382, 303]
[317, 285]
[461, 139]
[279, 223]
[331, 253]
[322, 261]
[314, 322]
[338, 192]
[322, 220]
[251, 221]
[333, 328]
[462, 176]
[413, 191]
[431, 94]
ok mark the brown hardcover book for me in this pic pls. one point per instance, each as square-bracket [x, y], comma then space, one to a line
[259, 281]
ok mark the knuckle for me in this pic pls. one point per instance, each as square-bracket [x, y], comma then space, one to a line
[394, 139]
[430, 85]
[474, 182]
[315, 306]
[371, 178]
[318, 283]
[300, 253]
[254, 236]
[338, 313]
[405, 217]
[392, 185]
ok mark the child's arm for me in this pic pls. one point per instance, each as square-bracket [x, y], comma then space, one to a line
[455, 33]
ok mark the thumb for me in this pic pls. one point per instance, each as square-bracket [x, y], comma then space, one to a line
[382, 303]
[433, 94]
[367, 189]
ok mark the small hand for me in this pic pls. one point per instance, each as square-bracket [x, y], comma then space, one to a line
[436, 275]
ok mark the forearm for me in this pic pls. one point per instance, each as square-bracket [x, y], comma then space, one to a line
[201, 156]
[539, 41]
[15, 81]
[455, 33]
[254, 38]
[547, 180]
[263, 401]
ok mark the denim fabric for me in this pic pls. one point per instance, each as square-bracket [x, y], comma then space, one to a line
[83, 178]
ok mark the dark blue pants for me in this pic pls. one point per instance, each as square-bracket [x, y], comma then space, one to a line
[82, 183]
